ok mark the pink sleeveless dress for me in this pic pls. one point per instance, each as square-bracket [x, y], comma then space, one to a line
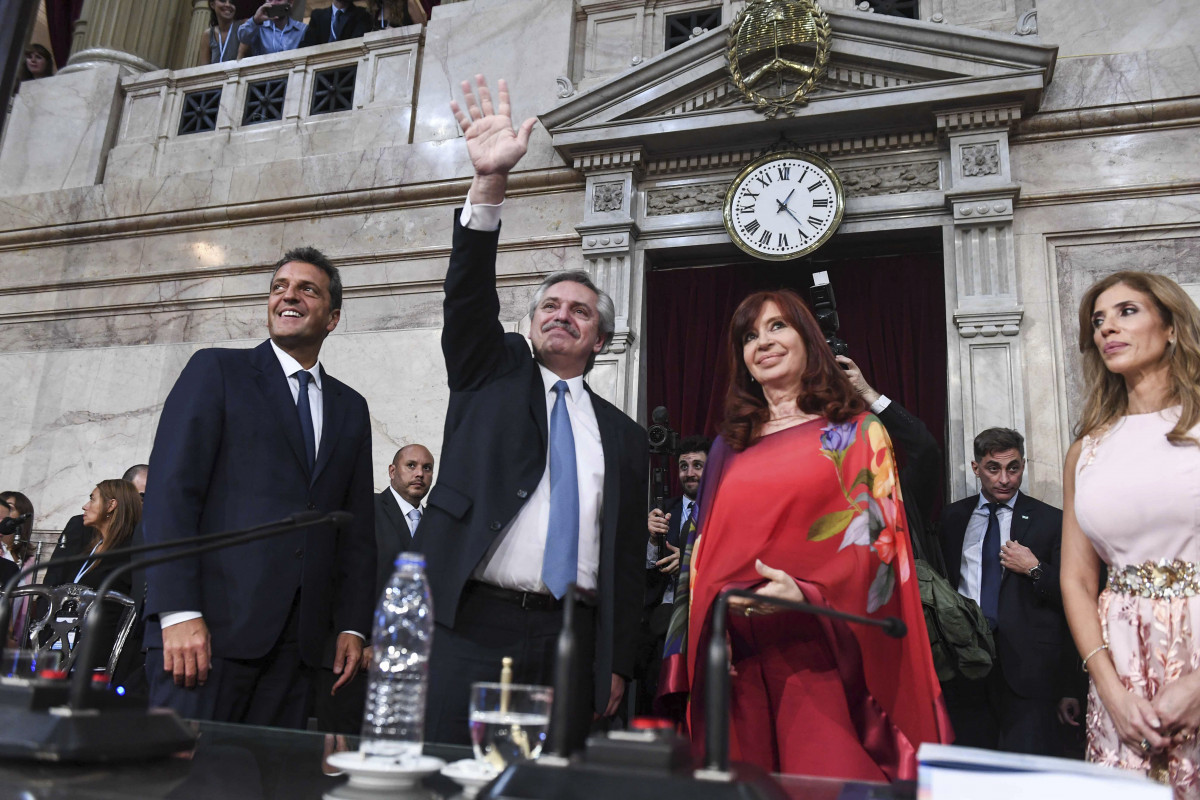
[1137, 498]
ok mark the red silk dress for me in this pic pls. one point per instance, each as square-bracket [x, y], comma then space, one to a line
[810, 695]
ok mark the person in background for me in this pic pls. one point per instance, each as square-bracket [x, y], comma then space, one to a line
[15, 548]
[1131, 495]
[220, 41]
[112, 512]
[1002, 550]
[397, 13]
[341, 21]
[801, 502]
[666, 529]
[38, 63]
[270, 30]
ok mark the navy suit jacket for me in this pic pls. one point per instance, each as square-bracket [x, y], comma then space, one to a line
[229, 454]
[358, 22]
[494, 455]
[1032, 627]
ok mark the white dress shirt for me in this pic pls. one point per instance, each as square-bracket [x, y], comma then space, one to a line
[291, 368]
[514, 561]
[970, 578]
[406, 508]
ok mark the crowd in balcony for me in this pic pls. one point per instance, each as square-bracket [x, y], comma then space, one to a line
[273, 29]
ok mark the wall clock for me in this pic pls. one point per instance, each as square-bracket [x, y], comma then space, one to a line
[784, 205]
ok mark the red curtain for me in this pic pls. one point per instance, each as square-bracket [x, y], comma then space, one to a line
[60, 21]
[892, 311]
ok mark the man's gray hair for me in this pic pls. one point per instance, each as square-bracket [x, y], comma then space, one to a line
[604, 304]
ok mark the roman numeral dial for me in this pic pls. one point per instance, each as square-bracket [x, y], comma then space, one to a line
[784, 205]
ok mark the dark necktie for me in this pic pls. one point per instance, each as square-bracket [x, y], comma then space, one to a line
[992, 572]
[561, 558]
[339, 23]
[306, 420]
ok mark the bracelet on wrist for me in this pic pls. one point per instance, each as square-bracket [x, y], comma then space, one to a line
[1089, 655]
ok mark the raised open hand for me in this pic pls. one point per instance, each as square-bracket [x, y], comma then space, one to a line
[494, 145]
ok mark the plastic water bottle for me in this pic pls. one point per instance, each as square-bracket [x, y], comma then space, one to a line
[394, 719]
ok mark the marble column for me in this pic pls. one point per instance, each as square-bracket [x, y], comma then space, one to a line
[986, 380]
[131, 33]
[610, 235]
[188, 47]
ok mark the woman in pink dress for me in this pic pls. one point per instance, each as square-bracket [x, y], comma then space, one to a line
[1132, 501]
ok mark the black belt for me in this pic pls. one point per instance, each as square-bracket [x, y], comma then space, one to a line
[529, 601]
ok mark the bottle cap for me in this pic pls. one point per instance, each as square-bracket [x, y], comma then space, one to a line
[415, 559]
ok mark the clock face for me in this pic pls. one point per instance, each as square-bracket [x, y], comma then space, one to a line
[783, 206]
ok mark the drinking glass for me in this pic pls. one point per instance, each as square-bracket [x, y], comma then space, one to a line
[509, 721]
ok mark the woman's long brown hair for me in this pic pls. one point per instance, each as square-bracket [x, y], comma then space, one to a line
[824, 388]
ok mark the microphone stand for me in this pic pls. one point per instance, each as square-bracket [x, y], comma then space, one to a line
[298, 519]
[102, 725]
[81, 679]
[716, 701]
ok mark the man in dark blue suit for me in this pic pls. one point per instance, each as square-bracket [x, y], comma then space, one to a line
[662, 568]
[343, 20]
[247, 437]
[1002, 549]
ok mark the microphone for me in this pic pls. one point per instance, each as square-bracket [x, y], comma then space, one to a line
[716, 701]
[299, 518]
[81, 678]
[102, 725]
[659, 416]
[13, 524]
[633, 765]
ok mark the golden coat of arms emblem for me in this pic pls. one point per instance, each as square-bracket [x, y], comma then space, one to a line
[777, 51]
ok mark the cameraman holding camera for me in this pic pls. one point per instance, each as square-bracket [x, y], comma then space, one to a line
[270, 30]
[662, 567]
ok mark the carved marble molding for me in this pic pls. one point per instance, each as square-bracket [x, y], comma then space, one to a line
[1027, 24]
[1089, 122]
[609, 196]
[974, 119]
[989, 324]
[732, 159]
[685, 199]
[992, 206]
[607, 240]
[884, 179]
[611, 161]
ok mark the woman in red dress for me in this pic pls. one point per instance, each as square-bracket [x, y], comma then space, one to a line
[800, 501]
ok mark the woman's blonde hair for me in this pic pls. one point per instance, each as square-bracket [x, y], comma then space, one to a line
[1106, 395]
[125, 516]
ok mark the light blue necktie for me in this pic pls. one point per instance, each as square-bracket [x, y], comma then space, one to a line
[306, 420]
[414, 519]
[561, 559]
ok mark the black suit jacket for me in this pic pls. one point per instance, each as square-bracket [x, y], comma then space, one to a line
[358, 22]
[229, 454]
[1032, 627]
[919, 478]
[392, 537]
[73, 541]
[494, 454]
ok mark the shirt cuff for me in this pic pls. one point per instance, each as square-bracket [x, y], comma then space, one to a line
[176, 617]
[480, 216]
[879, 405]
[356, 633]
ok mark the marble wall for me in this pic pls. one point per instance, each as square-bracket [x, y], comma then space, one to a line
[123, 249]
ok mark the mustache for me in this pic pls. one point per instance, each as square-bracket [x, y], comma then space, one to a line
[566, 326]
